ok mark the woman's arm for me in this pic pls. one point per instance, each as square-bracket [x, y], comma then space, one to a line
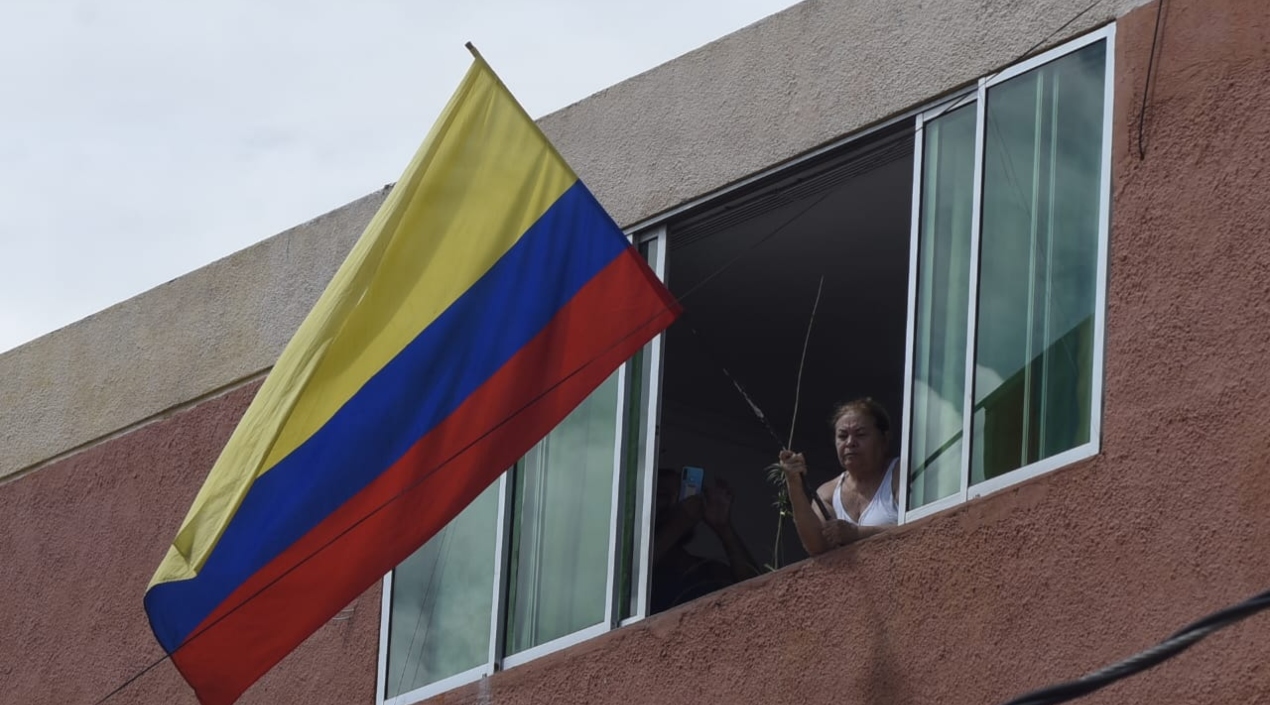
[806, 519]
[841, 533]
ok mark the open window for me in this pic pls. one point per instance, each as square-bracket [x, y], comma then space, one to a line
[748, 269]
[963, 251]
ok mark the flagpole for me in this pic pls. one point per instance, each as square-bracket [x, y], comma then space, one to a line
[515, 101]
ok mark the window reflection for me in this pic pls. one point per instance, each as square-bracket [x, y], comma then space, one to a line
[441, 600]
[939, 370]
[560, 537]
[1042, 167]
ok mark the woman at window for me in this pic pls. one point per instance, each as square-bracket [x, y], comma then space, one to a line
[863, 497]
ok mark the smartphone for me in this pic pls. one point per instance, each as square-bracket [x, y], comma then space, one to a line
[691, 481]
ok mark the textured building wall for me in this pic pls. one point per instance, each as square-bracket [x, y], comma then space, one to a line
[1043, 581]
[79, 541]
[764, 94]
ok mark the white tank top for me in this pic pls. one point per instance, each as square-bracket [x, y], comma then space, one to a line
[882, 510]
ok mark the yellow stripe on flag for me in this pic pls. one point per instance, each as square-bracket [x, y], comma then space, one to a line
[483, 175]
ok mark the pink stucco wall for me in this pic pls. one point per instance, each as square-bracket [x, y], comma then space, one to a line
[80, 540]
[1041, 582]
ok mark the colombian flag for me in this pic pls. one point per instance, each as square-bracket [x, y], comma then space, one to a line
[489, 295]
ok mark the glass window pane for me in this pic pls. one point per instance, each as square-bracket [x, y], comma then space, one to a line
[442, 597]
[560, 530]
[1039, 252]
[943, 292]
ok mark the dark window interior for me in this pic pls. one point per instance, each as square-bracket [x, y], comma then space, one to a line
[747, 270]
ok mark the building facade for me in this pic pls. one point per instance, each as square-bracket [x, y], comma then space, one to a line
[1036, 231]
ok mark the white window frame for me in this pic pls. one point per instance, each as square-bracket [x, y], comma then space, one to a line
[498, 659]
[656, 237]
[1091, 447]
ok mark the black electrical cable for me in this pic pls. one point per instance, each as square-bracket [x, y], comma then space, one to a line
[1146, 89]
[752, 246]
[965, 100]
[1180, 641]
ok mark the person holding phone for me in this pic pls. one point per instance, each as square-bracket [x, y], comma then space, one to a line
[863, 497]
[683, 504]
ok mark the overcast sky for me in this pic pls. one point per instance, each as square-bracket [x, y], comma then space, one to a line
[142, 139]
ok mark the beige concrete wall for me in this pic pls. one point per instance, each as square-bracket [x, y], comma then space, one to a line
[202, 332]
[778, 88]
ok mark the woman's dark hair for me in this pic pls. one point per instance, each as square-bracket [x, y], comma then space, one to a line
[864, 405]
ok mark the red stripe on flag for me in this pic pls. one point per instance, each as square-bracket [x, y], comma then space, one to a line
[409, 502]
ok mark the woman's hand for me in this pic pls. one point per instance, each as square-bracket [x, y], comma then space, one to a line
[808, 524]
[839, 533]
[794, 465]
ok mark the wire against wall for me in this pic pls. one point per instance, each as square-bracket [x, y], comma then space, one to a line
[1180, 641]
[964, 100]
[1146, 88]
